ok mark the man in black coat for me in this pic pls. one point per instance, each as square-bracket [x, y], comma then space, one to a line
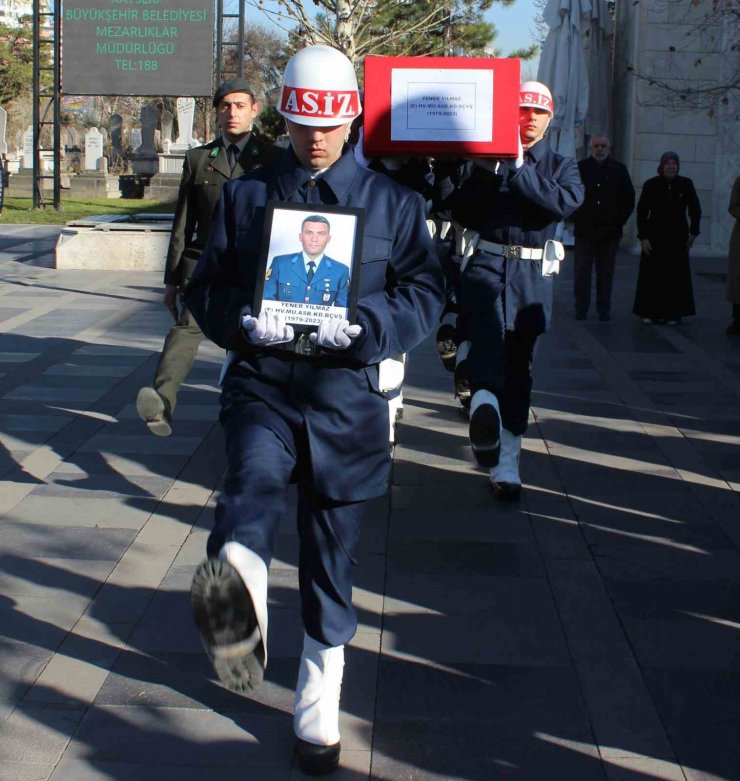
[205, 170]
[610, 199]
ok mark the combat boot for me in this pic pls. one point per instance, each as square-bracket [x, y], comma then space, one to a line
[229, 602]
[485, 428]
[316, 719]
[504, 477]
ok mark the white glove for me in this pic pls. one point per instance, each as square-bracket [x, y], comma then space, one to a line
[335, 334]
[519, 162]
[269, 328]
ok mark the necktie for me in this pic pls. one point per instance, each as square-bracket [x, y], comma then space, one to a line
[232, 154]
[311, 269]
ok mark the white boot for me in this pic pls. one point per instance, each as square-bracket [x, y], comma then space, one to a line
[504, 477]
[316, 719]
[253, 571]
[229, 602]
[485, 428]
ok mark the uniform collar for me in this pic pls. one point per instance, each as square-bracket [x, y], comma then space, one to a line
[291, 177]
[537, 151]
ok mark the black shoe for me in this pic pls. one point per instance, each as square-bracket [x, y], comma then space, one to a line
[580, 315]
[485, 435]
[317, 760]
[224, 613]
[447, 346]
[733, 329]
[462, 383]
[506, 492]
[154, 411]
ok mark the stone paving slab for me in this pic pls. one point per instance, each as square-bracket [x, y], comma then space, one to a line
[588, 631]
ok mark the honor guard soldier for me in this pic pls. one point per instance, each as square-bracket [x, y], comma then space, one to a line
[204, 172]
[507, 213]
[320, 419]
[309, 276]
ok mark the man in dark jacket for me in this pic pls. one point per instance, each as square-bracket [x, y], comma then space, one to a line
[317, 419]
[610, 199]
[205, 170]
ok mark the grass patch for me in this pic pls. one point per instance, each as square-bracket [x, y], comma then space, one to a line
[21, 211]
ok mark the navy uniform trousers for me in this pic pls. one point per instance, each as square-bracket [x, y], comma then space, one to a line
[499, 360]
[263, 450]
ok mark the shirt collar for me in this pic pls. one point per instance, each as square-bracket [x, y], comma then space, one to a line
[290, 176]
[307, 260]
[241, 144]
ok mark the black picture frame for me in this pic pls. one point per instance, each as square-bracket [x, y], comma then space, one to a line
[281, 276]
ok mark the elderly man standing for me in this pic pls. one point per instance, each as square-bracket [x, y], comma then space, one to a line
[316, 419]
[610, 199]
[205, 170]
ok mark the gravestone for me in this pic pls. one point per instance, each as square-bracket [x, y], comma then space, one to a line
[3, 127]
[168, 119]
[28, 147]
[185, 118]
[93, 148]
[134, 139]
[146, 160]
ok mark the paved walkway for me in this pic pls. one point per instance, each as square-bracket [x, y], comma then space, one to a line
[590, 632]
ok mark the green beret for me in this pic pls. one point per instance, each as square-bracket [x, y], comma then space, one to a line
[232, 85]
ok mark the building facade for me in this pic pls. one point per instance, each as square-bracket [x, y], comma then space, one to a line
[674, 64]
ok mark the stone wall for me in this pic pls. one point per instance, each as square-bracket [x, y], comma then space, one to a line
[673, 42]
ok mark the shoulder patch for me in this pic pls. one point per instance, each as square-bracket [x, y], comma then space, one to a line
[268, 274]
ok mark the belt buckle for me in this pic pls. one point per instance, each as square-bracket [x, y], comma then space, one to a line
[304, 346]
[514, 251]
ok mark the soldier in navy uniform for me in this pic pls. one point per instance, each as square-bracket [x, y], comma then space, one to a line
[507, 213]
[309, 276]
[319, 420]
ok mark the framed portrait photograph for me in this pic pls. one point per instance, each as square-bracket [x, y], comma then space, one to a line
[310, 263]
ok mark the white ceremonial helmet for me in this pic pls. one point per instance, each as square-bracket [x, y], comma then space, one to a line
[319, 88]
[535, 93]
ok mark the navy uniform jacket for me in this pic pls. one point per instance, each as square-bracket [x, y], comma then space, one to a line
[517, 206]
[286, 281]
[401, 296]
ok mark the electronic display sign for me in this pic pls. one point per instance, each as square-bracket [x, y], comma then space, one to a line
[137, 47]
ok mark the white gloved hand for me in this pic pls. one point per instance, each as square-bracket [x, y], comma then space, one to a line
[269, 328]
[519, 162]
[335, 334]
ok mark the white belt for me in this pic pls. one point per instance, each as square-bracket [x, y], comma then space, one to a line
[511, 251]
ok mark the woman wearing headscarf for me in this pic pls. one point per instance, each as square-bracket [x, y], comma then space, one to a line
[664, 291]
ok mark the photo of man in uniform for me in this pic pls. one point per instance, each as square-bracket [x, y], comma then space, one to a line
[308, 276]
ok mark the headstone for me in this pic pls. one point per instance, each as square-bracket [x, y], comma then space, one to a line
[117, 157]
[134, 139]
[28, 147]
[168, 119]
[93, 148]
[185, 117]
[148, 126]
[3, 126]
